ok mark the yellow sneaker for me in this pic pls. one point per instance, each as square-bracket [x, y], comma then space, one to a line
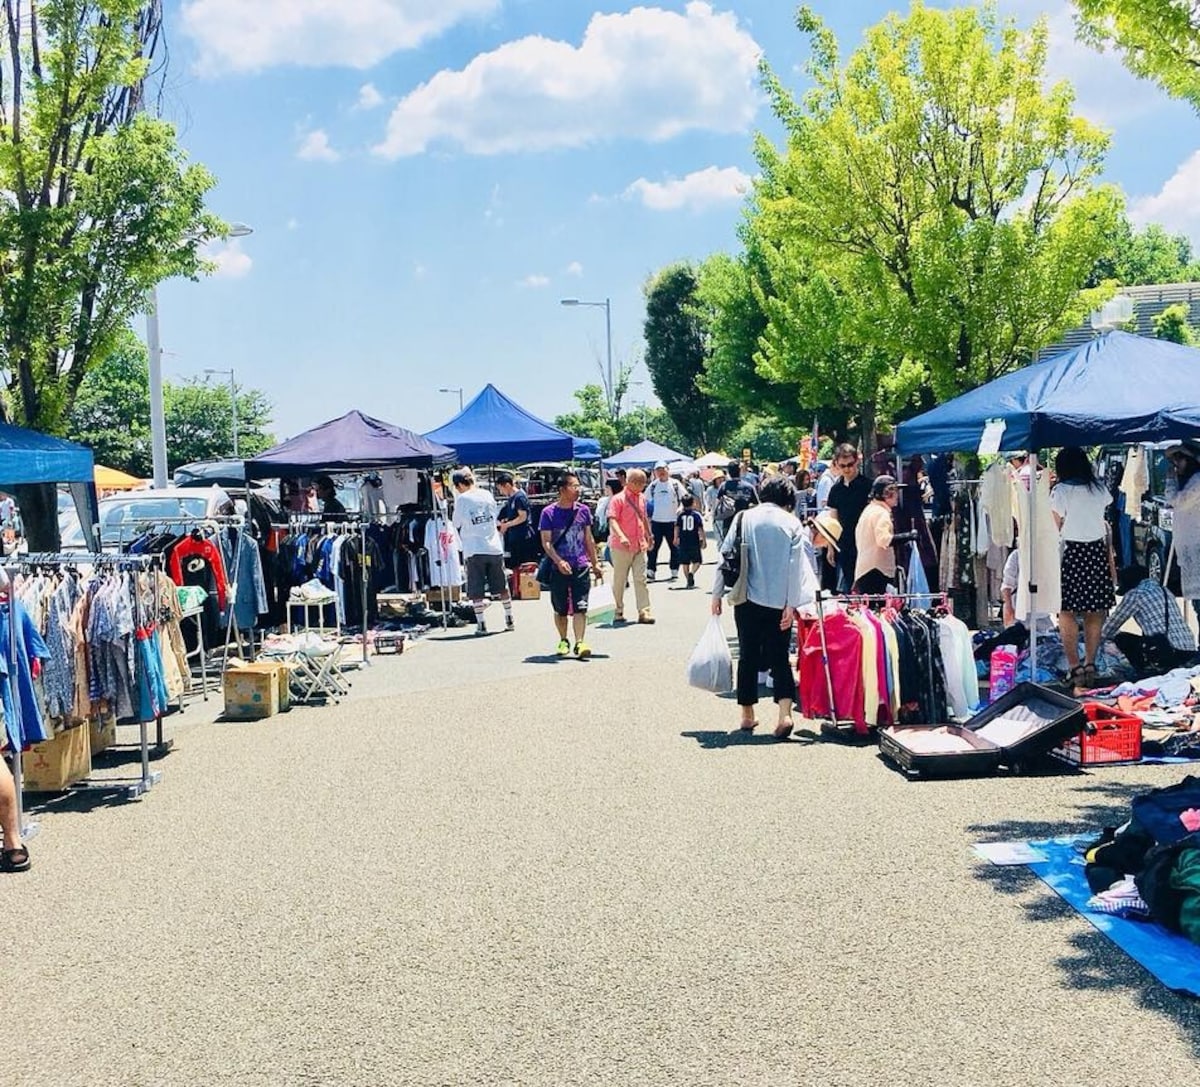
[564, 648]
[583, 650]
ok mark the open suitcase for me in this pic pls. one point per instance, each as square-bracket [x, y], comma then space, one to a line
[1055, 715]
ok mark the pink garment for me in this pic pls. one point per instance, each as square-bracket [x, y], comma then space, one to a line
[1190, 819]
[845, 666]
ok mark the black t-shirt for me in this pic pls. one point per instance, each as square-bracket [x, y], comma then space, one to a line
[848, 501]
[513, 505]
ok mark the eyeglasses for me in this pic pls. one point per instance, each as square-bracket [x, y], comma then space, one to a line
[846, 463]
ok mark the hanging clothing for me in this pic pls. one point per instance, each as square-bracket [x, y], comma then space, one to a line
[1135, 481]
[17, 692]
[1039, 547]
[996, 501]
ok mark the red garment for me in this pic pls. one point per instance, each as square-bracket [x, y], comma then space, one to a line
[845, 667]
[207, 550]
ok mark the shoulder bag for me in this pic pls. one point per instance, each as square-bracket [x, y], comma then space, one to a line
[733, 566]
[546, 567]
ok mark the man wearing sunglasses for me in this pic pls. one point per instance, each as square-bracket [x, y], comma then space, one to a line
[848, 498]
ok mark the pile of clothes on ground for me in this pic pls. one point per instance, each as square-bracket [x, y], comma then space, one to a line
[1149, 868]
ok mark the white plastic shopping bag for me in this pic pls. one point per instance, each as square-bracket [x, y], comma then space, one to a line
[710, 666]
[918, 583]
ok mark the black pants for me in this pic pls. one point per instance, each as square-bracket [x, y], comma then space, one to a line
[1132, 646]
[762, 647]
[873, 583]
[663, 530]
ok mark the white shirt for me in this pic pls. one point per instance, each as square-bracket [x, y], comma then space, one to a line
[824, 486]
[1011, 579]
[1082, 511]
[665, 494]
[475, 515]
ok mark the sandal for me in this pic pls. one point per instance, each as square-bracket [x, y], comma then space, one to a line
[1090, 677]
[1076, 675]
[15, 860]
[747, 726]
[783, 730]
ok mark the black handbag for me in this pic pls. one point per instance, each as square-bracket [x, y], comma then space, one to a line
[545, 568]
[731, 561]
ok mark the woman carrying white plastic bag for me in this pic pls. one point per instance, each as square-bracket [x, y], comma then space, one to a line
[710, 666]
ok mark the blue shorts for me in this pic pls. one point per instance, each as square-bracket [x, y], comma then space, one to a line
[569, 592]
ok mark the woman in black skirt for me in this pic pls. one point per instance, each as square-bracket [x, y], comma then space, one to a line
[1077, 504]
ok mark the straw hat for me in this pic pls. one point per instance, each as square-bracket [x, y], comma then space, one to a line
[829, 527]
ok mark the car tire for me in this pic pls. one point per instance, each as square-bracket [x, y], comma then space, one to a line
[1154, 564]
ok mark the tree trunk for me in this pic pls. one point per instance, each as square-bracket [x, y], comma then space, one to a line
[866, 427]
[38, 503]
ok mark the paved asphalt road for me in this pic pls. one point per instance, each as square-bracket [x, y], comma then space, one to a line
[488, 866]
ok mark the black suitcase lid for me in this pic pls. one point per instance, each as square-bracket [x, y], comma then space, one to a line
[1060, 717]
[983, 758]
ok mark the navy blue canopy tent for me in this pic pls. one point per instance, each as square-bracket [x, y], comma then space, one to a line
[29, 457]
[353, 443]
[1117, 389]
[643, 455]
[493, 429]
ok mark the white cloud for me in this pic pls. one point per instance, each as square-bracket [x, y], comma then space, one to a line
[647, 74]
[420, 271]
[699, 191]
[368, 97]
[315, 147]
[1174, 205]
[293, 224]
[230, 261]
[534, 281]
[574, 269]
[248, 35]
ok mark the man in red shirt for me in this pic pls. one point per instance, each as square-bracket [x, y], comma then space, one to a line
[629, 539]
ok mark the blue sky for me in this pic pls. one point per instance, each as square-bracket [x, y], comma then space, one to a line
[427, 178]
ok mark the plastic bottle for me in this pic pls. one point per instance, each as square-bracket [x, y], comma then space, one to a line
[1002, 676]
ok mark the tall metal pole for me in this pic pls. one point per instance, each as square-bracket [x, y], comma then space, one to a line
[158, 417]
[233, 412]
[612, 389]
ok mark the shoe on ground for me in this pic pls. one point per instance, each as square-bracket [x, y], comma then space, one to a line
[583, 650]
[480, 629]
[691, 581]
[564, 648]
[646, 618]
[508, 623]
[618, 618]
[674, 577]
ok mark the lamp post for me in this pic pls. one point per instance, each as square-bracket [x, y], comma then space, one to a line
[158, 415]
[610, 388]
[232, 407]
[460, 396]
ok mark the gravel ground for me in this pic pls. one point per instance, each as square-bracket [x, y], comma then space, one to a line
[488, 866]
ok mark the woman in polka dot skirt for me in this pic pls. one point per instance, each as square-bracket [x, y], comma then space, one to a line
[1089, 572]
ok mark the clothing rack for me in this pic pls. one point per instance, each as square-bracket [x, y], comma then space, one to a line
[133, 788]
[332, 528]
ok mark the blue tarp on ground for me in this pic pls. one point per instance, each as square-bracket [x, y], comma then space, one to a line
[1116, 389]
[643, 455]
[492, 429]
[353, 443]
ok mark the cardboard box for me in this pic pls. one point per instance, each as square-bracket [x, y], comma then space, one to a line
[278, 669]
[251, 692]
[58, 763]
[102, 734]
[528, 587]
[435, 595]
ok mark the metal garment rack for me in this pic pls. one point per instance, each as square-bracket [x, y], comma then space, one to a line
[133, 788]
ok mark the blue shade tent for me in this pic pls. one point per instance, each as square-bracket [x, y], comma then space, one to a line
[492, 429]
[353, 443]
[29, 457]
[1116, 389]
[643, 455]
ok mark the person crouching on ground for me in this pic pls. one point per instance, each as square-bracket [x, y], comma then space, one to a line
[629, 538]
[689, 539]
[875, 565]
[566, 529]
[475, 517]
[779, 578]
[1165, 642]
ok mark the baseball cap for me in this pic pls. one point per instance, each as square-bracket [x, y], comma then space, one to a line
[661, 464]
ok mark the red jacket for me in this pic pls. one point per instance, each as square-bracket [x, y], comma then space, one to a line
[844, 642]
[207, 550]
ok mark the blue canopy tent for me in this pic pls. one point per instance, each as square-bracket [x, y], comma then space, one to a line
[493, 429]
[1117, 389]
[644, 455]
[27, 457]
[353, 443]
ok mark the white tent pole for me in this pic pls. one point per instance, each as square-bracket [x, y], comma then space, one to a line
[1031, 573]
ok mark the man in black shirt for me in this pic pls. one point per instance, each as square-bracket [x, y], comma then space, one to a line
[848, 497]
[515, 522]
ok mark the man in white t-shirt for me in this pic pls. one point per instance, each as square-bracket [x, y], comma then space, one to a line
[475, 516]
[1009, 582]
[665, 497]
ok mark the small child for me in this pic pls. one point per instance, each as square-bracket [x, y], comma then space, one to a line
[689, 539]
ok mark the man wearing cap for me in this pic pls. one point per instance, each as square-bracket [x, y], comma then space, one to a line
[1018, 461]
[875, 562]
[664, 497]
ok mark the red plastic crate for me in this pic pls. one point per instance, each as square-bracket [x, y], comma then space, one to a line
[1117, 737]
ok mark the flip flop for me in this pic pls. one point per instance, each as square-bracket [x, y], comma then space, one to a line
[783, 731]
[15, 860]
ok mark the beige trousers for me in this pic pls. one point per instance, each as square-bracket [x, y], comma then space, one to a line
[625, 563]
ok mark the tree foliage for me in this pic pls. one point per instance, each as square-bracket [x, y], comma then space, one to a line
[1174, 324]
[1138, 257]
[592, 420]
[675, 355]
[1159, 39]
[932, 217]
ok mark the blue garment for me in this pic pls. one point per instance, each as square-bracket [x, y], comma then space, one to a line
[251, 589]
[29, 644]
[151, 684]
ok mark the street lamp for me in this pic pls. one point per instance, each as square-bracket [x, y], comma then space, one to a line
[611, 387]
[158, 415]
[232, 406]
[460, 396]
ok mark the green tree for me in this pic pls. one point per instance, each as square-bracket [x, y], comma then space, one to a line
[200, 423]
[766, 439]
[675, 356]
[100, 202]
[592, 420]
[1135, 258]
[1159, 39]
[934, 213]
[1174, 324]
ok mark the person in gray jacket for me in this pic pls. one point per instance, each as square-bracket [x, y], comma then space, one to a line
[779, 577]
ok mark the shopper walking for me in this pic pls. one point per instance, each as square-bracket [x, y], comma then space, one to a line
[566, 528]
[664, 497]
[475, 517]
[14, 856]
[1089, 568]
[515, 523]
[778, 578]
[629, 537]
[734, 496]
[848, 497]
[689, 539]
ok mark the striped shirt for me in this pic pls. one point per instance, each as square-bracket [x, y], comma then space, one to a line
[1145, 606]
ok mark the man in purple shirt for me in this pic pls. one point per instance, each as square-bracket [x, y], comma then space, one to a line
[566, 531]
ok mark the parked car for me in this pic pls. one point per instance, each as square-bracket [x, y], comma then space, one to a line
[123, 516]
[539, 481]
[1151, 533]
